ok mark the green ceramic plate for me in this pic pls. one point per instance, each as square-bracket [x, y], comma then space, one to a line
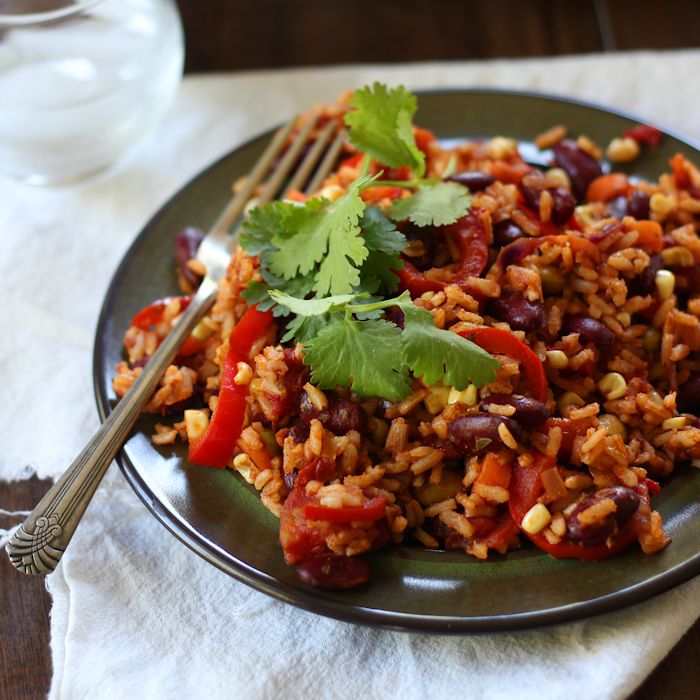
[221, 518]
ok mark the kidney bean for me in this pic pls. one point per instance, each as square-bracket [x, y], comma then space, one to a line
[528, 412]
[464, 432]
[688, 397]
[627, 503]
[475, 180]
[638, 205]
[333, 572]
[581, 167]
[341, 415]
[563, 203]
[505, 232]
[290, 479]
[519, 313]
[344, 415]
[186, 245]
[307, 411]
[590, 331]
[299, 432]
[645, 283]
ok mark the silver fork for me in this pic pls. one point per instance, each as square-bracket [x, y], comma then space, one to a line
[38, 544]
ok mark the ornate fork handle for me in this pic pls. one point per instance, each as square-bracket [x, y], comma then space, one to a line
[38, 544]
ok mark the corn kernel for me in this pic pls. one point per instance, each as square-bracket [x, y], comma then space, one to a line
[674, 423]
[665, 283]
[677, 255]
[467, 396]
[613, 425]
[536, 519]
[559, 177]
[661, 205]
[621, 150]
[243, 375]
[569, 399]
[245, 467]
[202, 331]
[557, 359]
[612, 386]
[501, 147]
[196, 423]
[436, 399]
[651, 340]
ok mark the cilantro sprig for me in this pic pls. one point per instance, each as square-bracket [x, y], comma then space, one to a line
[381, 124]
[329, 266]
[374, 356]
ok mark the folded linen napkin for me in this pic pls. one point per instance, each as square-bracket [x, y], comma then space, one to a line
[135, 612]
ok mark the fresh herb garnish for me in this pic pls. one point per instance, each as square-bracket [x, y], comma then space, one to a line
[329, 266]
[374, 356]
[381, 124]
[433, 205]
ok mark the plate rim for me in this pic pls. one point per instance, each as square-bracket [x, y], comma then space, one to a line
[350, 612]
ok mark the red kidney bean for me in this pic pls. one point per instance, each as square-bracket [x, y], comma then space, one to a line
[519, 313]
[627, 503]
[688, 397]
[341, 416]
[344, 415]
[333, 572]
[299, 432]
[638, 205]
[290, 479]
[528, 412]
[581, 167]
[186, 245]
[645, 282]
[505, 232]
[475, 180]
[590, 331]
[563, 203]
[466, 431]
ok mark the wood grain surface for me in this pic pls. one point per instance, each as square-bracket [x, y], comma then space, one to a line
[249, 34]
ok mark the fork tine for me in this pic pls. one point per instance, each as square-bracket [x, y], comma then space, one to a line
[327, 163]
[312, 157]
[235, 207]
[273, 185]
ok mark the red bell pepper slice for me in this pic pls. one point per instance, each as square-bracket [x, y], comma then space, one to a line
[215, 447]
[503, 342]
[152, 315]
[526, 487]
[644, 133]
[469, 233]
[370, 511]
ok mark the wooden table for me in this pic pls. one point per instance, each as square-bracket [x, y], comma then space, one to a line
[248, 34]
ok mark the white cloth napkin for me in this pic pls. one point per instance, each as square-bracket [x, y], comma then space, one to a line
[137, 614]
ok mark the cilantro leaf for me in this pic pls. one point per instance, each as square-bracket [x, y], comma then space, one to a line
[381, 124]
[384, 243]
[361, 354]
[257, 292]
[311, 307]
[433, 205]
[260, 225]
[302, 328]
[324, 233]
[438, 355]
